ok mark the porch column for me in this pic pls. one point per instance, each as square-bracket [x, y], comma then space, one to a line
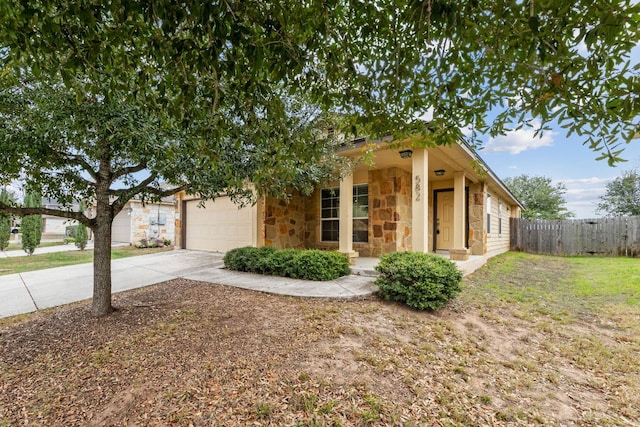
[420, 200]
[346, 218]
[459, 251]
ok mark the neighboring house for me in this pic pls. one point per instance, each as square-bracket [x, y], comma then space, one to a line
[138, 221]
[55, 226]
[135, 222]
[442, 199]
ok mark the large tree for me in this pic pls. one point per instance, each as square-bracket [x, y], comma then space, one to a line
[108, 150]
[622, 196]
[384, 61]
[540, 198]
[216, 86]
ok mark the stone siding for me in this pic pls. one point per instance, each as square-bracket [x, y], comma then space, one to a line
[389, 212]
[477, 228]
[144, 221]
[284, 222]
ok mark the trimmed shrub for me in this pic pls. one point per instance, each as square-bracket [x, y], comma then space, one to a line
[282, 262]
[258, 259]
[249, 259]
[295, 263]
[320, 265]
[422, 281]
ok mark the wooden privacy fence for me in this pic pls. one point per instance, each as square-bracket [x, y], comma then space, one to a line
[600, 236]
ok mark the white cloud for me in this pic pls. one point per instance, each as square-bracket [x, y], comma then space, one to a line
[588, 181]
[517, 141]
[583, 194]
[467, 130]
[426, 116]
[581, 47]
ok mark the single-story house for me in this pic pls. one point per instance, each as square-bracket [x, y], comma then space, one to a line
[441, 199]
[55, 226]
[149, 221]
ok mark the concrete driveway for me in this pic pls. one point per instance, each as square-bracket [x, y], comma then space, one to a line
[36, 290]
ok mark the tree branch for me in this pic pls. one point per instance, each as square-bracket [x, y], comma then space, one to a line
[131, 192]
[131, 169]
[20, 211]
[77, 160]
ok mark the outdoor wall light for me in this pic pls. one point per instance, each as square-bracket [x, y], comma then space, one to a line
[406, 154]
[439, 172]
[129, 210]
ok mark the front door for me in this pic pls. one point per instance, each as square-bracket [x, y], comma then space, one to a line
[444, 220]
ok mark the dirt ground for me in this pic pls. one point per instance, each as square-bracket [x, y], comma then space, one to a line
[193, 354]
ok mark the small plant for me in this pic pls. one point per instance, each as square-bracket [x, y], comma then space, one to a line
[82, 236]
[422, 281]
[142, 243]
[68, 240]
[166, 242]
[264, 410]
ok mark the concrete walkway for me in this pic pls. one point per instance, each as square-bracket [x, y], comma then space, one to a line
[34, 290]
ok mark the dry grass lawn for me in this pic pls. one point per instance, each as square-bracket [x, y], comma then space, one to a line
[522, 345]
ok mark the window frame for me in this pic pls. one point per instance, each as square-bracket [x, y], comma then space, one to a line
[355, 218]
[488, 213]
[335, 205]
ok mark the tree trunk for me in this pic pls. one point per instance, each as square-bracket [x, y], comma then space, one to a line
[102, 256]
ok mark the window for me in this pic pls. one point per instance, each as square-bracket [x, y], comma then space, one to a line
[488, 213]
[499, 217]
[330, 214]
[361, 213]
[330, 223]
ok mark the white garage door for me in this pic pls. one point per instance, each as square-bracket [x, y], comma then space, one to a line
[218, 226]
[121, 228]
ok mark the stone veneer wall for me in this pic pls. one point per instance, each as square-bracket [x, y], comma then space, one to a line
[389, 212]
[143, 218]
[477, 229]
[284, 222]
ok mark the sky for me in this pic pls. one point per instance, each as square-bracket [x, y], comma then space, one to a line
[564, 160]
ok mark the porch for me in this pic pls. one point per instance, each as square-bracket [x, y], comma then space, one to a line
[365, 266]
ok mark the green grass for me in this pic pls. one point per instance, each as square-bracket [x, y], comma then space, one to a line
[60, 259]
[559, 287]
[606, 280]
[18, 246]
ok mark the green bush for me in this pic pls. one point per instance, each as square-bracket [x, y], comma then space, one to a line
[282, 262]
[81, 237]
[238, 259]
[298, 264]
[422, 281]
[320, 265]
